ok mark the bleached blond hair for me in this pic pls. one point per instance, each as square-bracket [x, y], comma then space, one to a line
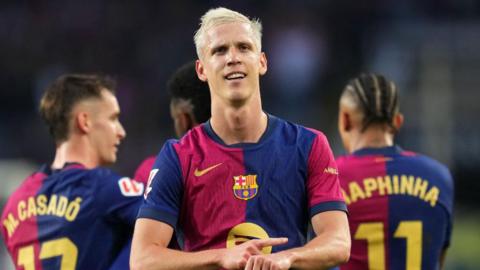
[221, 15]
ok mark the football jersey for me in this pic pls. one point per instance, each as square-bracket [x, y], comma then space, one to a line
[141, 175]
[72, 218]
[400, 208]
[216, 195]
[143, 170]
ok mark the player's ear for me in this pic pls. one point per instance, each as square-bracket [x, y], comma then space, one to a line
[184, 123]
[398, 121]
[345, 121]
[263, 63]
[200, 71]
[82, 122]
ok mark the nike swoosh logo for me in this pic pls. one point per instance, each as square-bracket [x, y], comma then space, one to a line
[198, 172]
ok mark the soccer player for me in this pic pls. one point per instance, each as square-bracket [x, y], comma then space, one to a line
[400, 203]
[73, 213]
[189, 106]
[241, 188]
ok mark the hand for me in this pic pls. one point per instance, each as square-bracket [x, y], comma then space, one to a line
[237, 257]
[276, 261]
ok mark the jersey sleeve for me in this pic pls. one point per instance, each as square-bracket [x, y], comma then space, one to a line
[164, 193]
[119, 198]
[323, 186]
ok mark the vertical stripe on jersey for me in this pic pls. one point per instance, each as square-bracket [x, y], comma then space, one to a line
[211, 218]
[26, 234]
[401, 207]
[280, 177]
[361, 168]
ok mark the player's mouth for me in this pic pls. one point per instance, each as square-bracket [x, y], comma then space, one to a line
[235, 76]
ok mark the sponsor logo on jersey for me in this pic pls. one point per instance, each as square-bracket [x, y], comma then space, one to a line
[244, 232]
[331, 170]
[130, 188]
[245, 186]
[199, 173]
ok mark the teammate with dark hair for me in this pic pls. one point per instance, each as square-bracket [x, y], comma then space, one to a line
[189, 106]
[400, 203]
[74, 214]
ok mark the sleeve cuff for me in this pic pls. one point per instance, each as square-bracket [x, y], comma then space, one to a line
[155, 214]
[328, 206]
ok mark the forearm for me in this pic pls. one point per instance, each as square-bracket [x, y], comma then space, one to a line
[157, 257]
[322, 252]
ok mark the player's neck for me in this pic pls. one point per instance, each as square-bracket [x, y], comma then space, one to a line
[372, 138]
[74, 151]
[244, 124]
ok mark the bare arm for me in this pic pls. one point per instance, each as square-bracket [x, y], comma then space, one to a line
[443, 255]
[329, 248]
[149, 250]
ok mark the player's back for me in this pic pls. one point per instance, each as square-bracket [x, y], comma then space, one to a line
[73, 218]
[400, 208]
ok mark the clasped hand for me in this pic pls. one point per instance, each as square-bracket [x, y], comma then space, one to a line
[249, 256]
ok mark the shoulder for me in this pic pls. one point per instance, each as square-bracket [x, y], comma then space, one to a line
[193, 141]
[100, 173]
[300, 133]
[342, 160]
[30, 184]
[430, 164]
[143, 170]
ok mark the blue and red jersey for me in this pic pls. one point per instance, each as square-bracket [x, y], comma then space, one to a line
[400, 208]
[72, 218]
[216, 195]
[141, 175]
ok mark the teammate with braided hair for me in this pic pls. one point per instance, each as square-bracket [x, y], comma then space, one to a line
[400, 202]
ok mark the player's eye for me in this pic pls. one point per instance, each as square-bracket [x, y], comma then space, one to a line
[244, 47]
[219, 50]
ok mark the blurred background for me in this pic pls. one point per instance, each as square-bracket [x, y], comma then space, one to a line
[431, 48]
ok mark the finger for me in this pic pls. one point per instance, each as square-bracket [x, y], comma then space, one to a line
[242, 263]
[266, 264]
[250, 262]
[254, 250]
[271, 242]
[258, 263]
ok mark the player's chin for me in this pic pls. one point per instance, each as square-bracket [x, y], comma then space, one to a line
[109, 160]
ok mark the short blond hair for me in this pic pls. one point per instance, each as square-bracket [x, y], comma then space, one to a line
[221, 15]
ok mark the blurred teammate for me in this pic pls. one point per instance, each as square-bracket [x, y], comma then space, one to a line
[74, 214]
[400, 203]
[235, 186]
[189, 106]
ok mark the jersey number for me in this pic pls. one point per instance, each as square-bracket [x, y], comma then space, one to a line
[373, 233]
[63, 247]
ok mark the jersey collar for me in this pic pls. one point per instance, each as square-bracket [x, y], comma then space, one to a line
[386, 151]
[271, 124]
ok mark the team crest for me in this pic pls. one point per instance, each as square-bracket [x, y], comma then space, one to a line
[245, 186]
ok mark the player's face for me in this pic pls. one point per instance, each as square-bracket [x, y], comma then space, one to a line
[107, 131]
[231, 62]
[180, 116]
